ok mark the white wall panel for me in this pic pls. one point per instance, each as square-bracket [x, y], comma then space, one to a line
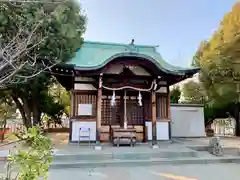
[76, 125]
[187, 121]
[162, 130]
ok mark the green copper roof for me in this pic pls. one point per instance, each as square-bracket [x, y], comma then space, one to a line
[94, 55]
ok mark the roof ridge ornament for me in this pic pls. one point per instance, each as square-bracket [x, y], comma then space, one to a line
[131, 47]
[132, 42]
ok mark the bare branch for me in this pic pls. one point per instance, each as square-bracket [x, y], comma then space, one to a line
[18, 55]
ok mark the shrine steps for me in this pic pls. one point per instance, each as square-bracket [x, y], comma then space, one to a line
[94, 159]
[101, 156]
[148, 162]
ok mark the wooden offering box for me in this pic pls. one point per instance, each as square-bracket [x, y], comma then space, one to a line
[121, 136]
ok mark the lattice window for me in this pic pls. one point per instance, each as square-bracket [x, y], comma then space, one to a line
[137, 117]
[85, 99]
[110, 115]
[106, 110]
[116, 120]
[162, 106]
[135, 113]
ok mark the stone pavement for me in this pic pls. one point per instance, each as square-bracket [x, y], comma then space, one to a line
[170, 172]
[108, 148]
[231, 142]
[153, 171]
[181, 144]
[74, 149]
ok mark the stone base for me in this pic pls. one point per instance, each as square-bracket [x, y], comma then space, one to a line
[155, 146]
[54, 151]
[98, 147]
[215, 146]
[124, 141]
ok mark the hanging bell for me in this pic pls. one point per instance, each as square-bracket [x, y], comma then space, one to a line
[113, 100]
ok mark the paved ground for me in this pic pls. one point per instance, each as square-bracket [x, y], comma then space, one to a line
[108, 148]
[183, 172]
[60, 142]
[169, 172]
[225, 141]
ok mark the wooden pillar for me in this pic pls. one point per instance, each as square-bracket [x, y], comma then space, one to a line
[72, 97]
[99, 114]
[154, 116]
[72, 113]
[169, 113]
[122, 111]
[125, 109]
[168, 103]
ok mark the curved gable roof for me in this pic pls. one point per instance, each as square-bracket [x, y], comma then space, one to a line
[95, 55]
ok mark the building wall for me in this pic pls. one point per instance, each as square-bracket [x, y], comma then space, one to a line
[162, 130]
[187, 120]
[86, 93]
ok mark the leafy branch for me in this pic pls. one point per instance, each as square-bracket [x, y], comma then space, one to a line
[34, 162]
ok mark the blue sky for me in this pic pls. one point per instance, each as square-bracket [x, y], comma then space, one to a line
[177, 26]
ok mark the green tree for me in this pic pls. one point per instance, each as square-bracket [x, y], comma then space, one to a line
[193, 93]
[219, 60]
[7, 111]
[61, 96]
[58, 29]
[175, 94]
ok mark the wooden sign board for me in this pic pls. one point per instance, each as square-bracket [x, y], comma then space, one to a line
[85, 109]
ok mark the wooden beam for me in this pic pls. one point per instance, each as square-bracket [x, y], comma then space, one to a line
[154, 118]
[124, 76]
[99, 114]
[84, 92]
[84, 82]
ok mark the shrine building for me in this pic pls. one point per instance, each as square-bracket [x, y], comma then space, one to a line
[122, 89]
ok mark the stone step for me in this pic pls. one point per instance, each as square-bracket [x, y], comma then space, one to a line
[149, 162]
[124, 156]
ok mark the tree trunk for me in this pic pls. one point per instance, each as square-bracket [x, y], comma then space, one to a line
[21, 109]
[36, 109]
[27, 110]
[24, 110]
[36, 115]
